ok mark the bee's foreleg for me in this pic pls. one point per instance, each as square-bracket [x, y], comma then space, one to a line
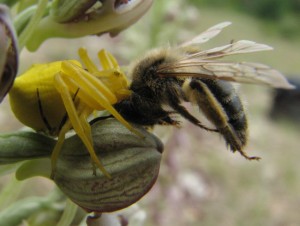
[169, 121]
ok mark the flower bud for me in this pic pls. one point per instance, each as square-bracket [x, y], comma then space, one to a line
[8, 52]
[68, 10]
[133, 163]
[73, 19]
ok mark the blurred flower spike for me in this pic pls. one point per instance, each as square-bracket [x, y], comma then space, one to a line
[8, 52]
[78, 18]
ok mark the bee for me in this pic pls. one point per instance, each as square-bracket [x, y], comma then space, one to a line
[167, 77]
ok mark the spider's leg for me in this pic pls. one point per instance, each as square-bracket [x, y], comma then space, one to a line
[65, 117]
[44, 118]
[86, 60]
[82, 128]
[57, 148]
[107, 60]
[111, 71]
[93, 92]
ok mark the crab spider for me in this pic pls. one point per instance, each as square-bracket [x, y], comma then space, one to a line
[54, 98]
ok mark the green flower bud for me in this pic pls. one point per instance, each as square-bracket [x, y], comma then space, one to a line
[132, 162]
[68, 10]
[73, 18]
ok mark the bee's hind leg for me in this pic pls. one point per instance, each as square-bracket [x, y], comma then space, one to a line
[175, 104]
[242, 153]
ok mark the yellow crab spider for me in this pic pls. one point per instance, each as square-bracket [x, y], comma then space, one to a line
[56, 97]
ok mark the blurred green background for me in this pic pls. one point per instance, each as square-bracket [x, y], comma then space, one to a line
[201, 182]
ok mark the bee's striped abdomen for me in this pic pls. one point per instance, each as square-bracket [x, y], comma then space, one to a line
[220, 104]
[225, 94]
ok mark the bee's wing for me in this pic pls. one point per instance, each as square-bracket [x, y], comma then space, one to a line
[206, 35]
[243, 72]
[242, 46]
[203, 64]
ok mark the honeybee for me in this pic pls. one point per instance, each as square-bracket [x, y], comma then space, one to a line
[167, 77]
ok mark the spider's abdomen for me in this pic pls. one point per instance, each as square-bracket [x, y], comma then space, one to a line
[33, 88]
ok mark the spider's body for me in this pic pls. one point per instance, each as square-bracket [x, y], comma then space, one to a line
[39, 105]
[55, 97]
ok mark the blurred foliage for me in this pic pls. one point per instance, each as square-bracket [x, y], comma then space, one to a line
[284, 14]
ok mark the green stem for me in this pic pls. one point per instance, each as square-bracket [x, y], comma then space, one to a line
[22, 19]
[10, 192]
[24, 4]
[19, 211]
[20, 146]
[33, 168]
[34, 21]
[68, 214]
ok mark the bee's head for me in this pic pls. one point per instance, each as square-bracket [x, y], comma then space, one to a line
[144, 70]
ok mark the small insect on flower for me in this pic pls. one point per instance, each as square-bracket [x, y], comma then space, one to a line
[167, 77]
[56, 97]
